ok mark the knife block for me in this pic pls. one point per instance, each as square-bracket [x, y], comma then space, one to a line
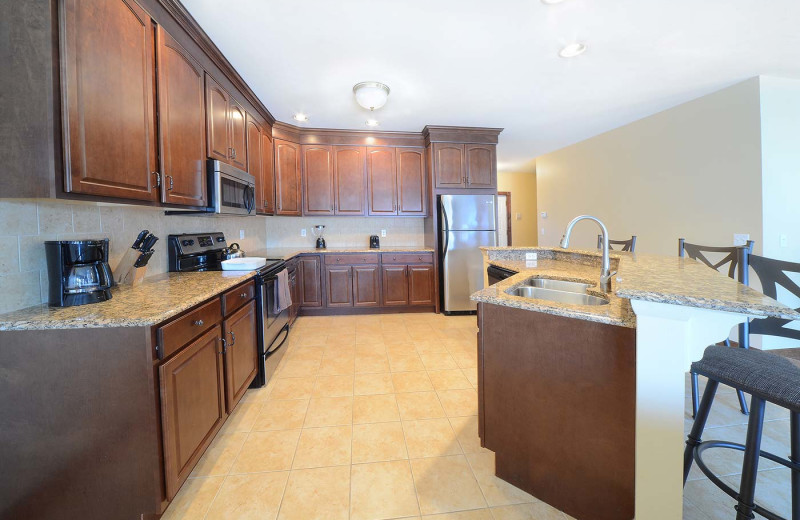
[126, 272]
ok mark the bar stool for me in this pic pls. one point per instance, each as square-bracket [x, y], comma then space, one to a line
[768, 377]
[627, 245]
[735, 257]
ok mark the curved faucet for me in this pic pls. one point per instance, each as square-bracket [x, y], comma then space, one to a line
[605, 270]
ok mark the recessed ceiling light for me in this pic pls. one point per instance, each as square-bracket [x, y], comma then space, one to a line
[372, 122]
[552, 2]
[572, 50]
[300, 117]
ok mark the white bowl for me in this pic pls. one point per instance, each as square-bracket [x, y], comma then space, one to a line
[248, 263]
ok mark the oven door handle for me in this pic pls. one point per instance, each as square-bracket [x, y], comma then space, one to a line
[272, 350]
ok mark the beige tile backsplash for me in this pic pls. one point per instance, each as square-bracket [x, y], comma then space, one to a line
[26, 224]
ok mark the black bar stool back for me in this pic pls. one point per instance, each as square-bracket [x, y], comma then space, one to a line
[627, 245]
[768, 376]
[735, 258]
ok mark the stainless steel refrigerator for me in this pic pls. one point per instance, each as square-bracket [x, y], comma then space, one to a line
[466, 223]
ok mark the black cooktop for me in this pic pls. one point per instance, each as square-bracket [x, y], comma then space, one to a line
[192, 252]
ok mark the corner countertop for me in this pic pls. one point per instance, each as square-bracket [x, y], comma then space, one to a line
[155, 300]
[287, 253]
[662, 279]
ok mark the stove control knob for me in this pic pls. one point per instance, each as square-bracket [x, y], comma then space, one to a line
[185, 243]
[220, 239]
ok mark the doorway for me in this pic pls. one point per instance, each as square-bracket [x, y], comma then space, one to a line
[504, 218]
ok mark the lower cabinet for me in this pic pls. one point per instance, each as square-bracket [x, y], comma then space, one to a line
[420, 285]
[352, 286]
[294, 291]
[192, 405]
[366, 286]
[395, 284]
[339, 286]
[309, 271]
[240, 353]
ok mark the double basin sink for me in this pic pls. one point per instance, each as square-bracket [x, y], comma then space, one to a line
[559, 291]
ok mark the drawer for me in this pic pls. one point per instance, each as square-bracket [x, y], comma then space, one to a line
[181, 331]
[238, 296]
[407, 258]
[349, 259]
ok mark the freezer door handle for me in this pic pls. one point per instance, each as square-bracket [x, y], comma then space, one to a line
[446, 233]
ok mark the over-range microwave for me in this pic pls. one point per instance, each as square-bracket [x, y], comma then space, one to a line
[231, 191]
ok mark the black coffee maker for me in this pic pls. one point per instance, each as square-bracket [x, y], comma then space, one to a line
[78, 271]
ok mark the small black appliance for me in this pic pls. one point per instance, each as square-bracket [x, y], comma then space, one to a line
[318, 231]
[374, 242]
[78, 272]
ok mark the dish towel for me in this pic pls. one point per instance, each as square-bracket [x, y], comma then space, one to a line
[283, 298]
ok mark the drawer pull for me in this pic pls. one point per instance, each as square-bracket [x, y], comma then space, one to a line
[243, 295]
[199, 323]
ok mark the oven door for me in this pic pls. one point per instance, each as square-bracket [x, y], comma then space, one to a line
[274, 331]
[232, 190]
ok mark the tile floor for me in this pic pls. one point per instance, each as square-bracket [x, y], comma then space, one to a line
[375, 417]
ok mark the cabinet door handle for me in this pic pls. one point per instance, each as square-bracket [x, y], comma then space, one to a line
[199, 323]
[171, 183]
[233, 337]
[158, 179]
[224, 346]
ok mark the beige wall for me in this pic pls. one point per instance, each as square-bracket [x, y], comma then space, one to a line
[693, 171]
[345, 231]
[522, 187]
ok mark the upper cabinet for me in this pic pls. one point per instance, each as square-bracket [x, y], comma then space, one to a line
[254, 156]
[267, 181]
[412, 192]
[462, 158]
[349, 166]
[481, 165]
[226, 126]
[110, 128]
[448, 164]
[317, 180]
[382, 181]
[181, 124]
[287, 178]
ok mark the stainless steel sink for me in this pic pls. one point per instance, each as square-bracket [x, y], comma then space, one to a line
[539, 293]
[559, 285]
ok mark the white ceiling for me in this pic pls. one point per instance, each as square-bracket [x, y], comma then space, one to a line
[495, 63]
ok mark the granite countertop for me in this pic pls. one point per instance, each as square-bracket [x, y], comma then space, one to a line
[286, 253]
[662, 279]
[155, 300]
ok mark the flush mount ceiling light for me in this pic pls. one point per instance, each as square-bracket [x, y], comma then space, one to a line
[300, 117]
[371, 94]
[372, 122]
[572, 50]
[551, 2]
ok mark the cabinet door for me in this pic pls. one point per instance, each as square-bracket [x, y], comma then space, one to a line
[411, 186]
[420, 285]
[267, 173]
[238, 135]
[481, 166]
[241, 354]
[110, 141]
[217, 121]
[395, 285]
[339, 287]
[382, 181]
[287, 178]
[448, 165]
[310, 281]
[349, 166]
[254, 166]
[181, 124]
[192, 405]
[366, 286]
[293, 292]
[317, 180]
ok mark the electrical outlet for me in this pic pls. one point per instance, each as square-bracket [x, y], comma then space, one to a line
[544, 214]
[784, 240]
[519, 216]
[241, 234]
[383, 233]
[303, 232]
[740, 239]
[542, 231]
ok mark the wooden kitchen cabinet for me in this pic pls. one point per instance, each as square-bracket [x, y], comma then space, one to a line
[240, 353]
[192, 405]
[226, 126]
[366, 286]
[338, 286]
[109, 106]
[395, 285]
[318, 185]
[181, 124]
[267, 180]
[309, 271]
[291, 267]
[412, 191]
[349, 166]
[481, 166]
[238, 135]
[381, 181]
[287, 178]
[448, 165]
[420, 285]
[254, 158]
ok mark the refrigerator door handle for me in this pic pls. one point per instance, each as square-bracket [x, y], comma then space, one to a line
[446, 233]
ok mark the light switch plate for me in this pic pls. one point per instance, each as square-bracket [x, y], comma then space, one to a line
[519, 216]
[740, 239]
[241, 234]
[303, 232]
[383, 233]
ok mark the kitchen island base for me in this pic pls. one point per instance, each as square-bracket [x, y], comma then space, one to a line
[557, 406]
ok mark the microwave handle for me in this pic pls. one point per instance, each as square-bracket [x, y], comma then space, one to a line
[249, 198]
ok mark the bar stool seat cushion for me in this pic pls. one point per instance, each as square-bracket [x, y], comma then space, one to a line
[773, 378]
